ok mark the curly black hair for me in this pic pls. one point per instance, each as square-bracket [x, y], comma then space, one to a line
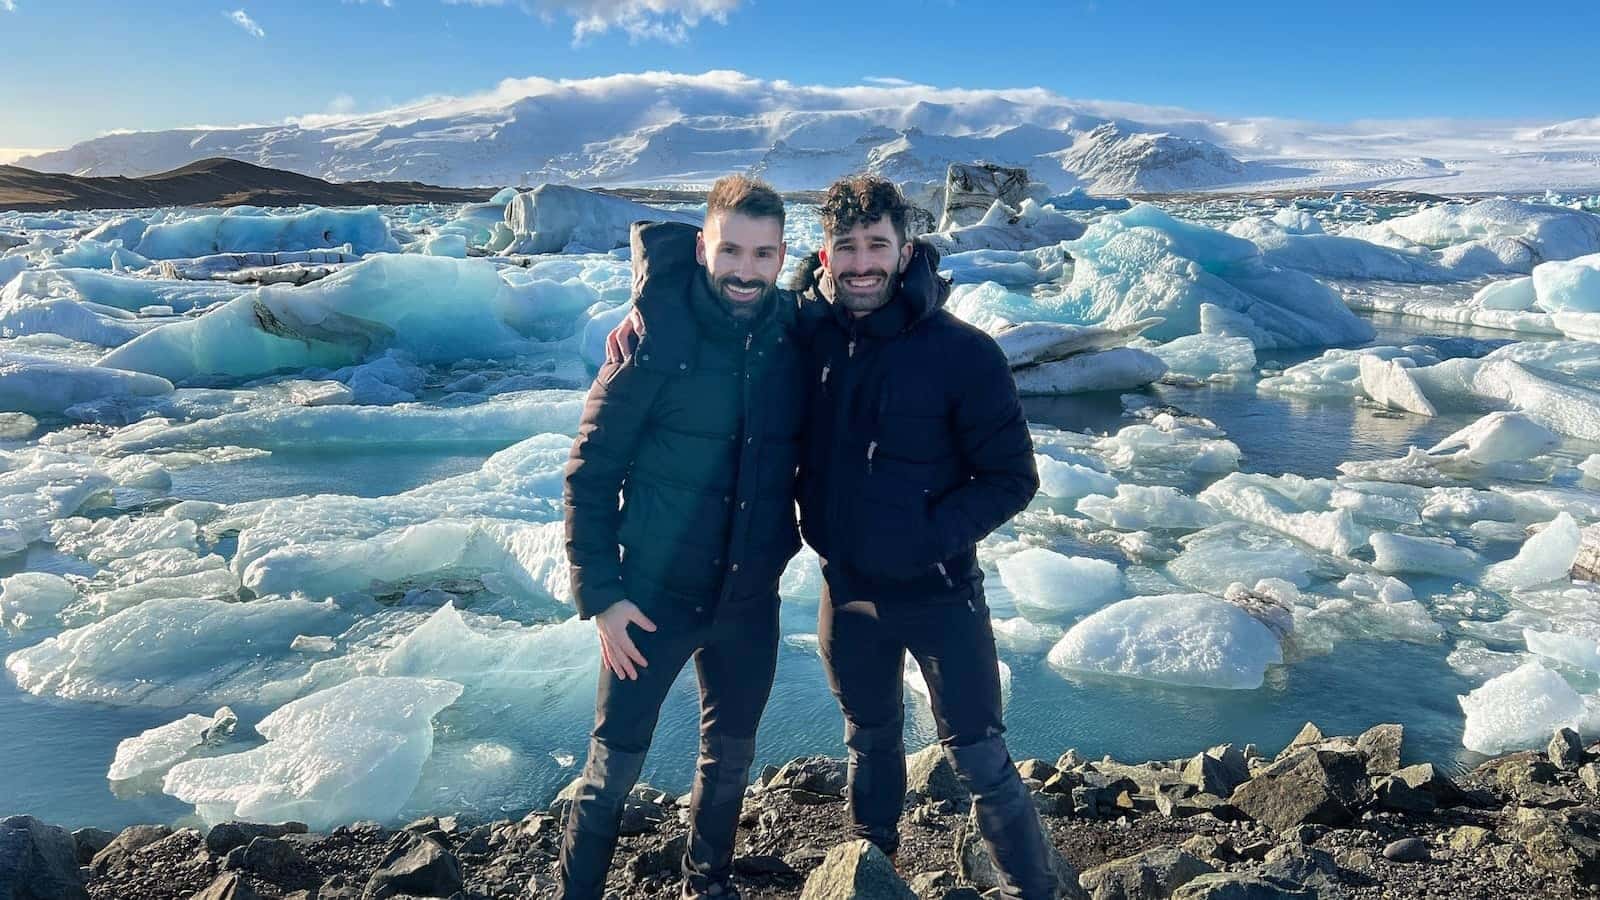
[863, 200]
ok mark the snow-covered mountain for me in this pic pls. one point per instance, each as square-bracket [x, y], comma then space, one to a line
[661, 129]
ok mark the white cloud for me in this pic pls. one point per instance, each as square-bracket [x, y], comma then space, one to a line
[242, 19]
[640, 20]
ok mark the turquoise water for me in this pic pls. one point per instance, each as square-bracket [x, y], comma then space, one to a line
[56, 752]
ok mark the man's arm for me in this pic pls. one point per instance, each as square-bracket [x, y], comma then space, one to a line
[614, 418]
[991, 434]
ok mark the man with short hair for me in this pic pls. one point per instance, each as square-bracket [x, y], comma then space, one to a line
[699, 432]
[917, 449]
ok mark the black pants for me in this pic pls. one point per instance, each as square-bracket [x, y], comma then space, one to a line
[863, 643]
[735, 657]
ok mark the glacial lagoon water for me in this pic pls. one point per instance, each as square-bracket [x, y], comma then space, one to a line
[56, 752]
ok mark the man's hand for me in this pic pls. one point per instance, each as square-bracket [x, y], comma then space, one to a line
[624, 339]
[617, 651]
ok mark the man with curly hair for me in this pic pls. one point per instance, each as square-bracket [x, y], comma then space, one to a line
[916, 448]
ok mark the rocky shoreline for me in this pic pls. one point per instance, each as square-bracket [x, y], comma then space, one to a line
[1327, 817]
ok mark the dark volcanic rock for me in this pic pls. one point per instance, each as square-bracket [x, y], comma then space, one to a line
[38, 862]
[278, 861]
[228, 835]
[1151, 875]
[1407, 850]
[1239, 886]
[228, 886]
[1566, 750]
[1326, 787]
[125, 843]
[812, 774]
[1562, 842]
[857, 870]
[974, 866]
[1381, 744]
[416, 866]
[90, 841]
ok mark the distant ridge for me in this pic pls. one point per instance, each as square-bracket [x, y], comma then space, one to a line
[217, 181]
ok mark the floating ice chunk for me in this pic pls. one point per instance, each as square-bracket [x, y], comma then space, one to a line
[1018, 635]
[1572, 649]
[1539, 231]
[1546, 557]
[1590, 467]
[453, 245]
[11, 267]
[507, 417]
[1233, 551]
[593, 342]
[1291, 244]
[1519, 709]
[34, 384]
[1139, 507]
[1511, 294]
[1047, 580]
[154, 751]
[119, 291]
[1381, 501]
[556, 218]
[1117, 369]
[1291, 504]
[1498, 437]
[1032, 343]
[312, 643]
[1028, 227]
[1570, 409]
[1145, 263]
[1186, 639]
[1168, 442]
[1389, 384]
[365, 230]
[917, 683]
[1204, 355]
[107, 539]
[354, 751]
[1070, 481]
[174, 651]
[1570, 286]
[38, 486]
[1421, 555]
[33, 599]
[514, 656]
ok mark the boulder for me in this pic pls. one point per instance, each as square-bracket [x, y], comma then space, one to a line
[38, 862]
[1036, 770]
[1396, 795]
[1151, 875]
[230, 886]
[278, 861]
[1308, 736]
[416, 866]
[1427, 778]
[1563, 842]
[1527, 776]
[1407, 850]
[125, 843]
[228, 835]
[857, 870]
[975, 867]
[929, 776]
[662, 859]
[1295, 863]
[1470, 838]
[1566, 750]
[1589, 776]
[1240, 886]
[1381, 744]
[90, 841]
[812, 774]
[1324, 787]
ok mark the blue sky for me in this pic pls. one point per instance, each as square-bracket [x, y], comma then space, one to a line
[77, 68]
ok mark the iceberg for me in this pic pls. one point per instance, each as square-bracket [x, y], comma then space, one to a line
[1046, 580]
[1145, 263]
[557, 218]
[175, 651]
[1183, 639]
[1207, 356]
[36, 384]
[1568, 286]
[1117, 369]
[1289, 504]
[1139, 507]
[122, 292]
[1191, 445]
[1520, 708]
[365, 230]
[1546, 557]
[1490, 236]
[1513, 294]
[1574, 650]
[354, 751]
[1389, 384]
[1064, 480]
[1018, 635]
[1400, 553]
[1032, 343]
[436, 308]
[1028, 227]
[1498, 437]
[1215, 557]
[154, 751]
[33, 599]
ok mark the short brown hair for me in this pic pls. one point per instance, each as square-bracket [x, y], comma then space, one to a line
[745, 195]
[863, 200]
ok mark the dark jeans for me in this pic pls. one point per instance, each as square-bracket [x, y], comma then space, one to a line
[735, 658]
[864, 642]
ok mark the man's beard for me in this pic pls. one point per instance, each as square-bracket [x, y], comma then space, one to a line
[863, 303]
[739, 309]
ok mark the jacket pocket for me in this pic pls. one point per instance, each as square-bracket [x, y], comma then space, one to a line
[893, 531]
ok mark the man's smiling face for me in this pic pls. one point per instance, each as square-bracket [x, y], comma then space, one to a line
[865, 263]
[742, 255]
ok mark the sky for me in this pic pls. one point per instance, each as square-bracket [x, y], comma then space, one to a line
[80, 68]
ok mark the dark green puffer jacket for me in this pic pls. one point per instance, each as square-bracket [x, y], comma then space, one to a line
[700, 432]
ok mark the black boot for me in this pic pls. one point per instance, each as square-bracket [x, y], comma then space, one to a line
[876, 786]
[592, 822]
[1007, 819]
[714, 805]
